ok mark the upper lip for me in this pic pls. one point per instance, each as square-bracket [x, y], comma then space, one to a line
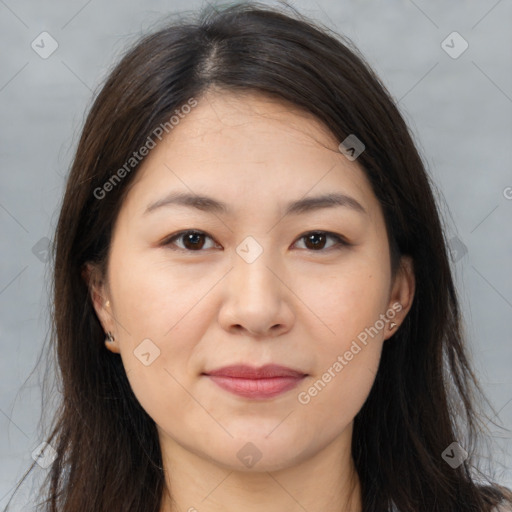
[267, 371]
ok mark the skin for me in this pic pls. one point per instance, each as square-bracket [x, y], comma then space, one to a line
[295, 305]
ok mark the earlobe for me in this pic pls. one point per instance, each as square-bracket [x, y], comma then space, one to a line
[110, 343]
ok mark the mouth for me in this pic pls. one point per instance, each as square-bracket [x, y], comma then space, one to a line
[256, 383]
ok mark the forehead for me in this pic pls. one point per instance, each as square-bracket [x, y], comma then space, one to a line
[254, 127]
[241, 146]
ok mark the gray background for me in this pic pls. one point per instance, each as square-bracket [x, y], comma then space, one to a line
[459, 110]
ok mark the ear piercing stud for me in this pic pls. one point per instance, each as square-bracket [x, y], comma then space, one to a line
[109, 338]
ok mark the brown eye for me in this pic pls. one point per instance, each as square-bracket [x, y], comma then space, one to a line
[195, 241]
[191, 240]
[316, 240]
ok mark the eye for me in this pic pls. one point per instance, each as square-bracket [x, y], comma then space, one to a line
[193, 240]
[315, 240]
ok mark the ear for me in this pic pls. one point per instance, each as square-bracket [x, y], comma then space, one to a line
[99, 293]
[402, 293]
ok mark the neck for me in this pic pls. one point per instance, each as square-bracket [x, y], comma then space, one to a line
[325, 481]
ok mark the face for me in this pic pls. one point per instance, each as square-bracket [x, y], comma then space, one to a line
[193, 288]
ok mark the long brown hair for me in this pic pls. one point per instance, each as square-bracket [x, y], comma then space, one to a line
[108, 453]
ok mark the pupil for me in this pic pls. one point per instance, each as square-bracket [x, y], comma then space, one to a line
[192, 237]
[312, 236]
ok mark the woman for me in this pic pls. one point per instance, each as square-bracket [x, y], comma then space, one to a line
[253, 300]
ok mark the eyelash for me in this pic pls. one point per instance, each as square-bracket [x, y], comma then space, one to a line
[340, 241]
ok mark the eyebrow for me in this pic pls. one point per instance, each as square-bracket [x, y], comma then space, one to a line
[209, 204]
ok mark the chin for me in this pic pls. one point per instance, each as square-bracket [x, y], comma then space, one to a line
[258, 453]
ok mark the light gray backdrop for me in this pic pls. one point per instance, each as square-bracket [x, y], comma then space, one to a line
[457, 100]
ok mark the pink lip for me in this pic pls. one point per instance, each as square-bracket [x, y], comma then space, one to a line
[265, 382]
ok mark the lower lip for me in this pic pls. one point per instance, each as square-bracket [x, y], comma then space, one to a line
[256, 388]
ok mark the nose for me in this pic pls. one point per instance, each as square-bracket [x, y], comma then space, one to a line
[257, 300]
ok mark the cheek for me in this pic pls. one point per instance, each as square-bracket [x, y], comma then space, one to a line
[155, 298]
[155, 301]
[346, 364]
[162, 393]
[347, 354]
[332, 399]
[345, 302]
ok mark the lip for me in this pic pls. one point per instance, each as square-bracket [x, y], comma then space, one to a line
[256, 383]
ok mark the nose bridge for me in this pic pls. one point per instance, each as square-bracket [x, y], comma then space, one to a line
[253, 263]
